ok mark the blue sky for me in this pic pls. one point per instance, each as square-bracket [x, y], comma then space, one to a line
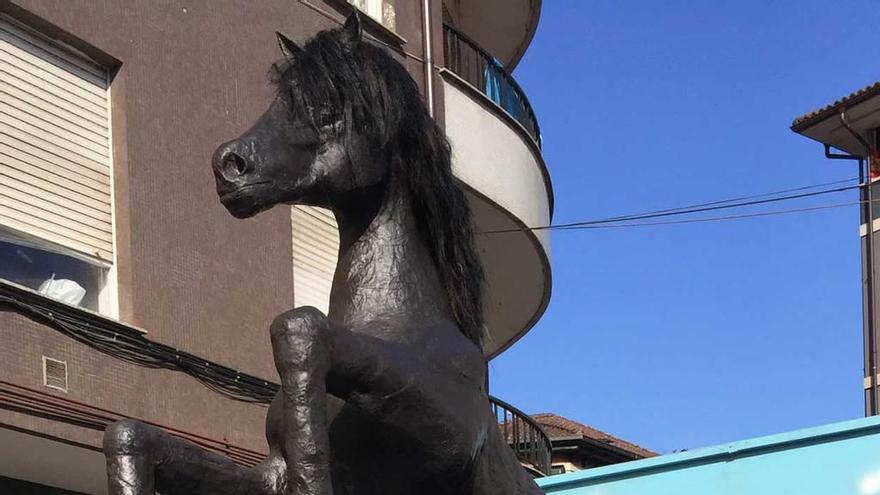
[687, 336]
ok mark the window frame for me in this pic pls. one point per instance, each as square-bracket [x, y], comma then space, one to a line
[378, 18]
[108, 290]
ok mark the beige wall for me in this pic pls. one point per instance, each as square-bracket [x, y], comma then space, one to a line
[491, 155]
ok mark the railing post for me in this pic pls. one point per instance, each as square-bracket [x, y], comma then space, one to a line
[524, 436]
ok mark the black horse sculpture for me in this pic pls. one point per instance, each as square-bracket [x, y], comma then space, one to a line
[385, 395]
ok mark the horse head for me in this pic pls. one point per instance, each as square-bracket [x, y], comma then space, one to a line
[303, 149]
[349, 131]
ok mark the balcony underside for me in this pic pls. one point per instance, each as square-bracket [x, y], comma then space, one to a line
[509, 190]
[503, 27]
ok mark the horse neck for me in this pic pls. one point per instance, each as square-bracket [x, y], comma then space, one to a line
[385, 277]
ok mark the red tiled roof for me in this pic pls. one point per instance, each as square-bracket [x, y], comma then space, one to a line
[558, 427]
[815, 116]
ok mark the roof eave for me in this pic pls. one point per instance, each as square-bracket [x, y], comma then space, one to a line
[862, 110]
[617, 452]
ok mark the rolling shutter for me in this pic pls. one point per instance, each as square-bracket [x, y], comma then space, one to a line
[315, 249]
[54, 144]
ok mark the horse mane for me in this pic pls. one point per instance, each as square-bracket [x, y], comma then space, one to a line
[334, 78]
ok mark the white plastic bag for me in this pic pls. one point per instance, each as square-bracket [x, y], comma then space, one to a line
[63, 290]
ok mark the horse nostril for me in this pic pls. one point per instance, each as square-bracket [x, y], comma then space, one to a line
[235, 164]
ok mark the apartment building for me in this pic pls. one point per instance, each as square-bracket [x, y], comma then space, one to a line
[126, 290]
[849, 129]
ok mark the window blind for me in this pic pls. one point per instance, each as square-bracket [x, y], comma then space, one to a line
[54, 144]
[315, 250]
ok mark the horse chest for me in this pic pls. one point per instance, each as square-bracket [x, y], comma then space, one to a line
[370, 457]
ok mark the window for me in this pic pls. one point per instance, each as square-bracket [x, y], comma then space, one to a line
[56, 224]
[382, 11]
[315, 249]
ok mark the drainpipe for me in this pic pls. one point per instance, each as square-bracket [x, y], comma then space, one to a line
[875, 397]
[429, 56]
[870, 344]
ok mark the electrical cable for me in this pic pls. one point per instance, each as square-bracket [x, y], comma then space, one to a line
[745, 198]
[721, 218]
[698, 208]
[712, 219]
[139, 350]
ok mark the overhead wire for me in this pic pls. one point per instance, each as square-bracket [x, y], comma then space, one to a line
[745, 198]
[714, 219]
[738, 202]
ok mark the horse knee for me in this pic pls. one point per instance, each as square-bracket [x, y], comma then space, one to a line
[272, 476]
[301, 327]
[127, 437]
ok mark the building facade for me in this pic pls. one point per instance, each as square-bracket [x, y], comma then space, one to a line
[849, 129]
[127, 290]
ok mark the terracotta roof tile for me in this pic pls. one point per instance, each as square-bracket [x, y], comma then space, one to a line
[811, 118]
[558, 427]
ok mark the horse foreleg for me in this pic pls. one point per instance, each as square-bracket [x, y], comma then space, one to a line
[299, 346]
[127, 446]
[142, 459]
[436, 395]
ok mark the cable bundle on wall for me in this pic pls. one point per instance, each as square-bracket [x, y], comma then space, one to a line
[117, 340]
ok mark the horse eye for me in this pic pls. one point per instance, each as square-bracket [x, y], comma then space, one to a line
[331, 129]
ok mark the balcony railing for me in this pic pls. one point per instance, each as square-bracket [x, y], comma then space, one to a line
[467, 60]
[525, 437]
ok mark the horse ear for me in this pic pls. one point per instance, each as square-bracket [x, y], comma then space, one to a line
[351, 30]
[288, 48]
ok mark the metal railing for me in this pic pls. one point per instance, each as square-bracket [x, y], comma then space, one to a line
[468, 61]
[531, 445]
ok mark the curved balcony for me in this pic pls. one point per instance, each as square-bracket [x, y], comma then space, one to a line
[481, 70]
[529, 442]
[496, 154]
